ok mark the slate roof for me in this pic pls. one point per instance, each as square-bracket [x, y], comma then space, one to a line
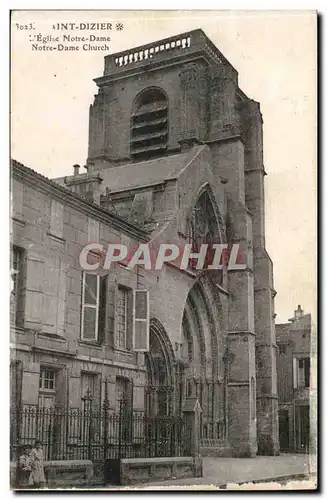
[116, 221]
[148, 172]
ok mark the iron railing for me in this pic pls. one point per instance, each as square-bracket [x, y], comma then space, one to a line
[98, 434]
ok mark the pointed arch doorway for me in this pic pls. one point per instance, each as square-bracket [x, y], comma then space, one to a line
[160, 364]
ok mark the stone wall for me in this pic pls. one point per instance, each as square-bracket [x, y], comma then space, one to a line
[61, 474]
[144, 470]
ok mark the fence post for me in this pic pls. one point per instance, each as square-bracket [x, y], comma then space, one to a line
[105, 420]
[87, 399]
[192, 416]
[121, 416]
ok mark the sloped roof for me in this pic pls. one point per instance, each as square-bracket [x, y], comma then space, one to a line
[117, 222]
[147, 173]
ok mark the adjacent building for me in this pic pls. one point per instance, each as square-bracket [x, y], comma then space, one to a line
[297, 420]
[175, 156]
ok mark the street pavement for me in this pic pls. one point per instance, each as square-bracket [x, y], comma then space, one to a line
[222, 471]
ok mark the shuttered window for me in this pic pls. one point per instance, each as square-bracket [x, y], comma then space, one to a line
[141, 320]
[102, 310]
[17, 294]
[90, 306]
[304, 372]
[301, 372]
[94, 321]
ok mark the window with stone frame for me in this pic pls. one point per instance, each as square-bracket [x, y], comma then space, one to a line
[301, 372]
[282, 349]
[47, 387]
[47, 379]
[304, 372]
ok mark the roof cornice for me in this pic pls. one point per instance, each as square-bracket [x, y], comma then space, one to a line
[36, 180]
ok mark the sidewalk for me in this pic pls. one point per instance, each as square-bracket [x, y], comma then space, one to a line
[223, 471]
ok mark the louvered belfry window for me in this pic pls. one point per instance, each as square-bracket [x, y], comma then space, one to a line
[149, 133]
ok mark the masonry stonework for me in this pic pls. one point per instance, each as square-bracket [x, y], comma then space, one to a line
[194, 173]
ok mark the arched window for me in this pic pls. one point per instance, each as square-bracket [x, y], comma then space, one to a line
[203, 227]
[149, 131]
[203, 222]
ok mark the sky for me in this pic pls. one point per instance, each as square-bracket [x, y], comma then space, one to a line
[274, 53]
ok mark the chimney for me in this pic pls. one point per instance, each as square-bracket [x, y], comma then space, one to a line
[76, 169]
[298, 313]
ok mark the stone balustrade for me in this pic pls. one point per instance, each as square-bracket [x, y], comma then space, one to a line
[190, 41]
[148, 52]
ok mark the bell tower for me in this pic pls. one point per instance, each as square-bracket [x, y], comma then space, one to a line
[165, 98]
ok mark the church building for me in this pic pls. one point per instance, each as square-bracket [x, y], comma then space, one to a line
[175, 156]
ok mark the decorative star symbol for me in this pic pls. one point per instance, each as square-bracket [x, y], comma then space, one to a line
[119, 26]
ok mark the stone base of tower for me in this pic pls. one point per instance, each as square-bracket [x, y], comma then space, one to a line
[267, 426]
[245, 449]
[241, 425]
[210, 449]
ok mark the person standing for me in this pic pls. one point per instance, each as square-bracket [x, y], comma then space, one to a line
[37, 460]
[24, 473]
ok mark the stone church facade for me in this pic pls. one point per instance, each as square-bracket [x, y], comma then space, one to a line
[175, 156]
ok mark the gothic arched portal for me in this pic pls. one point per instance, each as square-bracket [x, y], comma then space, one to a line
[160, 365]
[202, 356]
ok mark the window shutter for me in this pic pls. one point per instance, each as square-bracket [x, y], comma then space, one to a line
[295, 369]
[307, 372]
[19, 281]
[35, 269]
[102, 310]
[129, 339]
[141, 320]
[111, 299]
[90, 307]
[16, 377]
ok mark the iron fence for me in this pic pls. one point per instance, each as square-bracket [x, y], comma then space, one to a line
[101, 434]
